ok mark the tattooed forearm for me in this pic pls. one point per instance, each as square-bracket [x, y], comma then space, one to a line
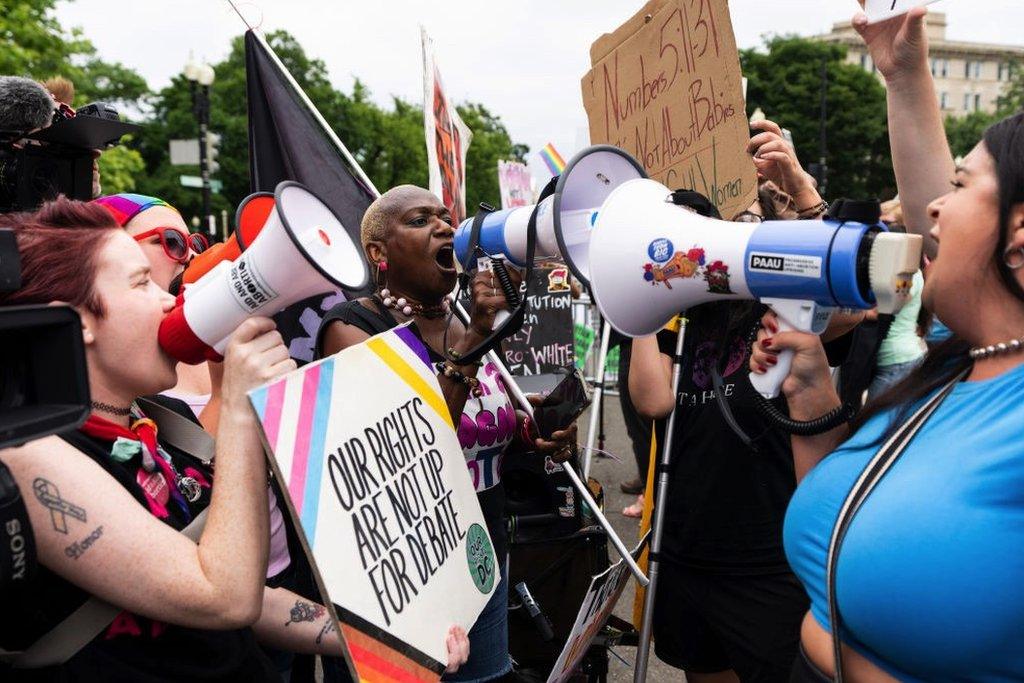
[305, 611]
[329, 627]
[78, 548]
[49, 497]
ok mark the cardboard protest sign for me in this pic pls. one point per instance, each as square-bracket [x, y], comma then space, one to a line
[605, 590]
[448, 138]
[666, 87]
[363, 444]
[545, 341]
[880, 10]
[514, 181]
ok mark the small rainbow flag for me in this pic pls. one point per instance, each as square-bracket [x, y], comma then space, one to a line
[554, 160]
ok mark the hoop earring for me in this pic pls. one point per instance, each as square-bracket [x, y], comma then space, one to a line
[1014, 258]
[381, 278]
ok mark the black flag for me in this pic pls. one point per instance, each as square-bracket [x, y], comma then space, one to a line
[286, 142]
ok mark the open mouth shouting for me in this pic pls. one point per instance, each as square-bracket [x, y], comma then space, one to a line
[445, 258]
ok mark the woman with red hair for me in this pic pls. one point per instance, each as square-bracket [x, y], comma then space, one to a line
[107, 502]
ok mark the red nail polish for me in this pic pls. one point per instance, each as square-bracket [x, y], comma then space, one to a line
[762, 368]
[771, 360]
[766, 343]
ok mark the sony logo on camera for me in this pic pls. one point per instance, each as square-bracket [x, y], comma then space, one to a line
[17, 545]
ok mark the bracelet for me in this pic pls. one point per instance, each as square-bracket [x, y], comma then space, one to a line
[451, 372]
[813, 211]
[457, 356]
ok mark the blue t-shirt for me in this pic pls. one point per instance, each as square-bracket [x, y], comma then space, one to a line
[930, 580]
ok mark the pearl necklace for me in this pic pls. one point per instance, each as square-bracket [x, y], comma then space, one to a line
[980, 352]
[408, 307]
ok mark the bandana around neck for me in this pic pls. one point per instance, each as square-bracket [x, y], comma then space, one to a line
[143, 434]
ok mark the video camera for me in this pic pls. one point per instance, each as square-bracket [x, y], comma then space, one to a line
[44, 389]
[47, 150]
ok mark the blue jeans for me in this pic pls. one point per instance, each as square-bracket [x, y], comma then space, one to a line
[488, 640]
[888, 375]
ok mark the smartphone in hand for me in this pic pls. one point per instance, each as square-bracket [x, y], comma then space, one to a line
[563, 404]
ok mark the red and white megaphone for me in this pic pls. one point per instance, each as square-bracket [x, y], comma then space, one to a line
[250, 217]
[302, 250]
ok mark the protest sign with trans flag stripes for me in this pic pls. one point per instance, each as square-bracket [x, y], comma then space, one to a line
[363, 444]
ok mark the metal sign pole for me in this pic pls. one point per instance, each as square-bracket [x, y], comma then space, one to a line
[657, 524]
[597, 404]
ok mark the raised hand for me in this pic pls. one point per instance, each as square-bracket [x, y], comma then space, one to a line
[776, 160]
[898, 45]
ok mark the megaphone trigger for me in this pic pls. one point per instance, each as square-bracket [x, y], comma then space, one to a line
[805, 316]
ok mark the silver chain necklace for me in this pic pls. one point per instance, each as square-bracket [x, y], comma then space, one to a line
[980, 352]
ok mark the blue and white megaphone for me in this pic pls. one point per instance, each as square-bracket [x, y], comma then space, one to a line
[564, 218]
[651, 259]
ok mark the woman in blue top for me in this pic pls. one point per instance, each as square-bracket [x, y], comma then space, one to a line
[929, 579]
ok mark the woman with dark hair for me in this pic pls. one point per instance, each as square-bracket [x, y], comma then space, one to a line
[107, 501]
[908, 525]
[407, 238]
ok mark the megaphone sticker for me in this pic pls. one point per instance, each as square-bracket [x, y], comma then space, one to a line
[558, 280]
[250, 290]
[688, 264]
[660, 250]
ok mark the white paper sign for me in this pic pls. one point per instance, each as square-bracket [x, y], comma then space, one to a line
[364, 446]
[880, 10]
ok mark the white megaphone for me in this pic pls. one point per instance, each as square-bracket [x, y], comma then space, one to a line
[651, 259]
[564, 218]
[302, 250]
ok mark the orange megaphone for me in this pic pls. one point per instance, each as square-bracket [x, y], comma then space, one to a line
[250, 217]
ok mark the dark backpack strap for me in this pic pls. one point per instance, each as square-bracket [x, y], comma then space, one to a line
[876, 469]
[179, 431]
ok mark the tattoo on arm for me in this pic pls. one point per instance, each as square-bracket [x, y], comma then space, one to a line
[49, 497]
[329, 627]
[305, 611]
[78, 548]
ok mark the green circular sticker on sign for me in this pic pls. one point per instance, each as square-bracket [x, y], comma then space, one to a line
[480, 558]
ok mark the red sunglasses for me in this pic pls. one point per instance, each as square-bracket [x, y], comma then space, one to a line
[177, 243]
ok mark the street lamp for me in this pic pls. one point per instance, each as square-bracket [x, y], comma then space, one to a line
[200, 78]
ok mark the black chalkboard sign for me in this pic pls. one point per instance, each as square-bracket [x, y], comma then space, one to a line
[545, 342]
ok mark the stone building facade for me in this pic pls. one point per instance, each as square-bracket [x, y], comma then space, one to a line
[969, 77]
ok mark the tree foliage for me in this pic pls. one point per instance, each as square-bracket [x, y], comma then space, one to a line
[785, 81]
[35, 45]
[388, 142]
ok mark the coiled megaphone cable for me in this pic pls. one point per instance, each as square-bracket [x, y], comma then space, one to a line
[517, 305]
[768, 410]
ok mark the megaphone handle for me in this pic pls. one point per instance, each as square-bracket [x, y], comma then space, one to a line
[792, 314]
[769, 383]
[499, 319]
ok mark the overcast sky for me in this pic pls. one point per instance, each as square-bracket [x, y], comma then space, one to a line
[523, 59]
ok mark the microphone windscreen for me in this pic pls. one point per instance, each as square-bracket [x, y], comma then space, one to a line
[24, 105]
